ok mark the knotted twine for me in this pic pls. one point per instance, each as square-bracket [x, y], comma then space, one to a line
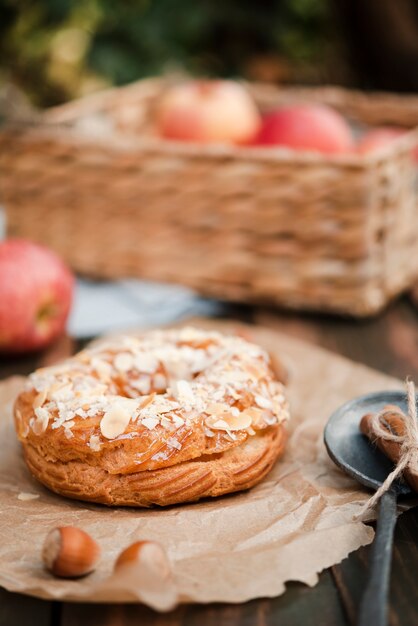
[408, 442]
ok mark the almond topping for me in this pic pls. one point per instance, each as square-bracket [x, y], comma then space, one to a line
[103, 368]
[41, 423]
[115, 421]
[150, 422]
[94, 443]
[182, 391]
[146, 363]
[160, 382]
[217, 408]
[143, 385]
[262, 402]
[216, 423]
[123, 362]
[238, 422]
[229, 422]
[40, 398]
[256, 415]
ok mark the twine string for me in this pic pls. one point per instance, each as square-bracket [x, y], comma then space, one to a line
[408, 441]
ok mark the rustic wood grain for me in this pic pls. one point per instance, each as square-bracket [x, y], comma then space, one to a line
[291, 609]
[18, 610]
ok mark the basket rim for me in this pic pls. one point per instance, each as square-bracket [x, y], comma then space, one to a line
[221, 152]
[54, 123]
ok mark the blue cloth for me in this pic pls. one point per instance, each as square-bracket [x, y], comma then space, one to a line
[101, 307]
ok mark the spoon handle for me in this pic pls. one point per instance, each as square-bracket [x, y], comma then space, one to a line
[374, 604]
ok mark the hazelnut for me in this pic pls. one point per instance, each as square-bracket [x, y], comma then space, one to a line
[148, 553]
[70, 552]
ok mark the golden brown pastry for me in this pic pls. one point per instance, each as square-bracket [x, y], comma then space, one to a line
[170, 416]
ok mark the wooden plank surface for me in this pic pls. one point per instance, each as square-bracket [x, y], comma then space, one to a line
[18, 610]
[286, 610]
[390, 344]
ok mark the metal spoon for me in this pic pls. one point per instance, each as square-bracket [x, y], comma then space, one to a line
[353, 453]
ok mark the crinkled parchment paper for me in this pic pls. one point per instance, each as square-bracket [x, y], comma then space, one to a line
[297, 522]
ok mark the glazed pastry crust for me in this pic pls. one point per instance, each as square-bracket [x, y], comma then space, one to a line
[237, 469]
[121, 425]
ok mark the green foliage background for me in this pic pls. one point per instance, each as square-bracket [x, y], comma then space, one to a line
[58, 49]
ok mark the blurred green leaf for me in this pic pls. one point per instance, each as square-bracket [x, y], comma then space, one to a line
[130, 39]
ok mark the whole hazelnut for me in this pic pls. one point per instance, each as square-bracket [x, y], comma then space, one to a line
[150, 554]
[69, 552]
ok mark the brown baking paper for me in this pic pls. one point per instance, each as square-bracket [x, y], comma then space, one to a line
[297, 522]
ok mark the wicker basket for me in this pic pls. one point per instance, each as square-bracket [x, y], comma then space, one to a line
[303, 230]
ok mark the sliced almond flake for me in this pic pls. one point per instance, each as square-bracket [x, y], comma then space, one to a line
[103, 368]
[235, 377]
[208, 432]
[255, 414]
[270, 419]
[159, 382]
[143, 385]
[115, 421]
[128, 341]
[229, 422]
[97, 390]
[40, 398]
[83, 356]
[62, 393]
[95, 443]
[146, 363]
[250, 430]
[146, 400]
[262, 402]
[25, 496]
[123, 362]
[216, 423]
[178, 421]
[55, 386]
[165, 422]
[130, 404]
[189, 333]
[177, 369]
[183, 392]
[217, 408]
[160, 404]
[150, 422]
[238, 422]
[40, 424]
[255, 372]
[173, 443]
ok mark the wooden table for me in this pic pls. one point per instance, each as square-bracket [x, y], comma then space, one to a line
[390, 344]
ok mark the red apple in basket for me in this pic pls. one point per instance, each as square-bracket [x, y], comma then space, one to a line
[378, 138]
[208, 112]
[312, 127]
[35, 295]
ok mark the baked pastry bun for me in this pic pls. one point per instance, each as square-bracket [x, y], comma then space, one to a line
[170, 416]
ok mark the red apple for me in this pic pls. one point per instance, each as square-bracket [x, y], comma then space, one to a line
[378, 138]
[35, 295]
[313, 127]
[208, 112]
